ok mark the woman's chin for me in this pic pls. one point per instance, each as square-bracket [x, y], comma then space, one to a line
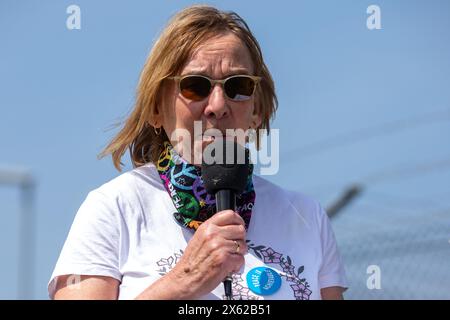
[196, 148]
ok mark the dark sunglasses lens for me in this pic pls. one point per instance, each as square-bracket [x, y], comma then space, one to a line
[239, 88]
[195, 88]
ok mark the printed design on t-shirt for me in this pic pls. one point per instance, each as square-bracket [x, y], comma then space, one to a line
[167, 264]
[269, 256]
[240, 292]
[299, 285]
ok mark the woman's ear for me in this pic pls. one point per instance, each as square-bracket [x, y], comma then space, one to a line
[256, 120]
[154, 119]
[157, 119]
[163, 100]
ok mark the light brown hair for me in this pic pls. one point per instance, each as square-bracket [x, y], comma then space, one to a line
[182, 35]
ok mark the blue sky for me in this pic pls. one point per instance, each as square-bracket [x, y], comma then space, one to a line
[354, 103]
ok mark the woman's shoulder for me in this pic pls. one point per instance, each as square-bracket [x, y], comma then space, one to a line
[140, 179]
[297, 203]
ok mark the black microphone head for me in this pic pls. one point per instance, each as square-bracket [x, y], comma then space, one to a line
[225, 165]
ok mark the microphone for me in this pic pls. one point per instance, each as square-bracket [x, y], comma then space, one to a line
[225, 174]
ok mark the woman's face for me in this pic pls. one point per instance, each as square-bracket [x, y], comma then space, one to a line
[217, 58]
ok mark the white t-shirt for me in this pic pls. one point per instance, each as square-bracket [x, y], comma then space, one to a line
[125, 230]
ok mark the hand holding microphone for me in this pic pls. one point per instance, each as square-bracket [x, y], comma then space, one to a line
[226, 178]
[218, 246]
[211, 254]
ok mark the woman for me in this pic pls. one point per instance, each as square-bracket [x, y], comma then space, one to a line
[125, 243]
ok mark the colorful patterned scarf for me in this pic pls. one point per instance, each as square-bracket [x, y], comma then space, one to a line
[184, 184]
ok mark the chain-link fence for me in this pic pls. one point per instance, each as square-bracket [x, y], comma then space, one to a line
[394, 254]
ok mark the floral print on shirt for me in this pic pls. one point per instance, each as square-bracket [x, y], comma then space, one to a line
[291, 274]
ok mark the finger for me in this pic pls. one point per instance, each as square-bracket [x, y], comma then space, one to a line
[237, 247]
[226, 217]
[233, 232]
[234, 263]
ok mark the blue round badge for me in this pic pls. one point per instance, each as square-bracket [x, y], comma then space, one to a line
[263, 281]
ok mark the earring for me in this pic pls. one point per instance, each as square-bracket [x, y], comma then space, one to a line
[157, 132]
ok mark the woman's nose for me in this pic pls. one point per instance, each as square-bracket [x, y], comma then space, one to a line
[217, 104]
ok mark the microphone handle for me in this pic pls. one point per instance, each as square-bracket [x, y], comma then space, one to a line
[226, 200]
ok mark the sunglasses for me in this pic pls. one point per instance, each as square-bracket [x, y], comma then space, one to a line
[236, 88]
